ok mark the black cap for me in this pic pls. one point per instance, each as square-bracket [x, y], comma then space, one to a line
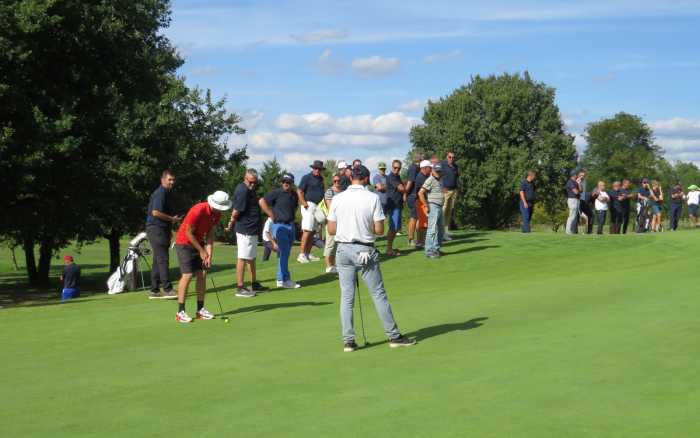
[288, 177]
[360, 172]
[437, 167]
[318, 164]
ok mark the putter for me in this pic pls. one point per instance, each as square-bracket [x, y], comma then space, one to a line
[359, 304]
[221, 309]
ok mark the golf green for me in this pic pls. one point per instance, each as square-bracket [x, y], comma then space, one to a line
[540, 335]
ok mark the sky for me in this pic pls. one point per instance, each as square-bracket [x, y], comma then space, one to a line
[348, 79]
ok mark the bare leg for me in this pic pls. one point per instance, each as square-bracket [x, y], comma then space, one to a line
[411, 229]
[240, 272]
[305, 246]
[390, 241]
[201, 285]
[182, 286]
[251, 265]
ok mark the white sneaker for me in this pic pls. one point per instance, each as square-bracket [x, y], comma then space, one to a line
[313, 258]
[280, 283]
[289, 284]
[331, 270]
[182, 317]
[302, 258]
[204, 314]
[446, 237]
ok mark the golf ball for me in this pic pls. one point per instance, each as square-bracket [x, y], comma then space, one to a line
[226, 320]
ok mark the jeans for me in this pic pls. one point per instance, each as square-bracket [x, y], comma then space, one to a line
[572, 220]
[284, 235]
[348, 267]
[676, 210]
[526, 214]
[159, 238]
[436, 229]
[600, 219]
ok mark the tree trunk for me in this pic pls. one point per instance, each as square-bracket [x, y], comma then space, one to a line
[30, 261]
[114, 259]
[45, 253]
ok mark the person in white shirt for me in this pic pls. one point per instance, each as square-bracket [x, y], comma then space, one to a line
[269, 243]
[602, 201]
[693, 201]
[355, 219]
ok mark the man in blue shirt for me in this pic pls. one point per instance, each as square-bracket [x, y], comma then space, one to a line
[450, 178]
[159, 219]
[310, 191]
[379, 182]
[527, 199]
[395, 191]
[410, 195]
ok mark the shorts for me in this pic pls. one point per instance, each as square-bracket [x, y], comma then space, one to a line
[247, 246]
[188, 256]
[693, 209]
[422, 214]
[394, 218]
[308, 220]
[411, 200]
[330, 245]
[655, 209]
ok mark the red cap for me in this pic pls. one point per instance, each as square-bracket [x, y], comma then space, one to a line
[67, 258]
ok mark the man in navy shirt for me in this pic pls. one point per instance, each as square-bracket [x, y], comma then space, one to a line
[310, 191]
[625, 196]
[573, 192]
[450, 178]
[616, 208]
[395, 190]
[410, 194]
[677, 196]
[527, 199]
[159, 219]
[585, 201]
[280, 206]
[245, 219]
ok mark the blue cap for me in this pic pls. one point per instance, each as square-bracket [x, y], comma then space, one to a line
[437, 167]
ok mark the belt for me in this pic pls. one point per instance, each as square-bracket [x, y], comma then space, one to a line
[371, 244]
[284, 223]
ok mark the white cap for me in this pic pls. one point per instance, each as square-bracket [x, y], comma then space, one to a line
[342, 165]
[426, 163]
[219, 201]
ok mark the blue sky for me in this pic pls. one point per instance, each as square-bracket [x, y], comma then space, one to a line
[342, 80]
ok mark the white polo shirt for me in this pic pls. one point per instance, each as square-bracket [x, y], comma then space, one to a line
[267, 228]
[354, 211]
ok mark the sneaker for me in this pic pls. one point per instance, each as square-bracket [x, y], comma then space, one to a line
[280, 283]
[432, 255]
[331, 270]
[401, 341]
[289, 284]
[257, 287]
[243, 292]
[156, 296]
[419, 245]
[204, 314]
[446, 237]
[313, 258]
[349, 347]
[182, 317]
[169, 295]
[303, 259]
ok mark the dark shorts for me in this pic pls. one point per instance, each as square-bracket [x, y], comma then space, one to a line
[411, 200]
[693, 209]
[188, 256]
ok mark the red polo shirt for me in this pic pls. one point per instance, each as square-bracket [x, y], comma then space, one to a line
[201, 218]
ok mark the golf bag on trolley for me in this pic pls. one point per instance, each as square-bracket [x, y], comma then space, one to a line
[125, 277]
[643, 216]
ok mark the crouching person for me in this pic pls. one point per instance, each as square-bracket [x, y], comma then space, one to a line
[355, 219]
[70, 279]
[194, 245]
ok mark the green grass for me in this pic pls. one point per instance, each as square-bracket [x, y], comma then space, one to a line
[540, 335]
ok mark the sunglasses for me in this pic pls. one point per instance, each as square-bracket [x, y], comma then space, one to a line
[336, 180]
[396, 167]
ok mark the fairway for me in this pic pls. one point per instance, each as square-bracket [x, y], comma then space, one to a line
[541, 335]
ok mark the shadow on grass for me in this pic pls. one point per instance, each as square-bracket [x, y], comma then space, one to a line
[440, 329]
[274, 306]
[471, 249]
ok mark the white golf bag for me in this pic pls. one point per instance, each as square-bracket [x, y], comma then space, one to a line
[117, 282]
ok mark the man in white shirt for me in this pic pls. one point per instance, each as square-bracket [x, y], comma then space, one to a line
[693, 201]
[355, 219]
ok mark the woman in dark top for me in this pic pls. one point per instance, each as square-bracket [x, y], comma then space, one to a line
[656, 201]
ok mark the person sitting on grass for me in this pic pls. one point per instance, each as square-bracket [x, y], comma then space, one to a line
[693, 201]
[70, 279]
[194, 245]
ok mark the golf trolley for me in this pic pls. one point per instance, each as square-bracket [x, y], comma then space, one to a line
[127, 274]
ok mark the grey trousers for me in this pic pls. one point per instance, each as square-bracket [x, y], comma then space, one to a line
[348, 266]
[572, 221]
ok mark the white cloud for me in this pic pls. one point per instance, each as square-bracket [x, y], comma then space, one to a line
[412, 105]
[320, 36]
[677, 126]
[251, 119]
[375, 66]
[442, 57]
[328, 64]
[324, 123]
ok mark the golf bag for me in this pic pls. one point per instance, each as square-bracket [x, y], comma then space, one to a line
[128, 268]
[643, 217]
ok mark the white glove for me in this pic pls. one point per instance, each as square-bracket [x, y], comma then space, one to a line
[363, 258]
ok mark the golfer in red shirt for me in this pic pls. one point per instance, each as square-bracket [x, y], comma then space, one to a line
[194, 245]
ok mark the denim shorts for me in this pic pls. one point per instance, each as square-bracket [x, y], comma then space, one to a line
[693, 209]
[394, 218]
[655, 209]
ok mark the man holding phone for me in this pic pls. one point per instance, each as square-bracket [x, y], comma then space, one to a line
[194, 244]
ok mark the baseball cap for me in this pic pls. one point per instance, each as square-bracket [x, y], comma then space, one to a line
[381, 165]
[360, 172]
[693, 187]
[67, 258]
[426, 163]
[342, 165]
[288, 177]
[437, 167]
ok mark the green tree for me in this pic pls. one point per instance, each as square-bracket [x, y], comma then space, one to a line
[499, 127]
[330, 168]
[270, 176]
[622, 146]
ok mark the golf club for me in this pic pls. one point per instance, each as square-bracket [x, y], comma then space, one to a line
[359, 304]
[221, 309]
